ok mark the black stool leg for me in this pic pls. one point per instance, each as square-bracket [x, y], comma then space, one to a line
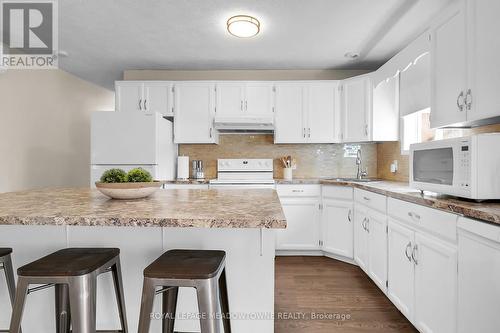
[120, 298]
[63, 313]
[147, 300]
[169, 307]
[224, 302]
[18, 308]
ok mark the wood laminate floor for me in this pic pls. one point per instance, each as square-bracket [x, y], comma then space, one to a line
[320, 286]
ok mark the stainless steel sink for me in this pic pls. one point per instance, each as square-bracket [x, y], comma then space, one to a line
[356, 180]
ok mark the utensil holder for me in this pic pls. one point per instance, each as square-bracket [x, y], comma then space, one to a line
[287, 173]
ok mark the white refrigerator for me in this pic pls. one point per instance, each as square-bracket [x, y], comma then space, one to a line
[128, 140]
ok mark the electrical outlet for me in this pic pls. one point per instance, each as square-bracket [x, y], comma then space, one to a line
[394, 166]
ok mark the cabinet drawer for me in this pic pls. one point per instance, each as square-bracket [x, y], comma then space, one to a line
[435, 221]
[372, 200]
[337, 192]
[299, 190]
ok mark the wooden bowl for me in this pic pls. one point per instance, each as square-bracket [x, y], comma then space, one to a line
[124, 191]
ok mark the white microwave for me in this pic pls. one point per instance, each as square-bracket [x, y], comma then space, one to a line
[467, 167]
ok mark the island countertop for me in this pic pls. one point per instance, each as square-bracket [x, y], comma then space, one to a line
[216, 208]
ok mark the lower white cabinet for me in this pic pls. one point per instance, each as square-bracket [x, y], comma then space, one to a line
[478, 277]
[301, 205]
[360, 239]
[338, 220]
[422, 278]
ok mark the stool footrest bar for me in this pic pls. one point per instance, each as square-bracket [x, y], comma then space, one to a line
[45, 286]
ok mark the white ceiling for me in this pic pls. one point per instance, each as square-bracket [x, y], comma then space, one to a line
[105, 37]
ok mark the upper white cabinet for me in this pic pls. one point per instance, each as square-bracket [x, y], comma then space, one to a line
[236, 99]
[356, 106]
[144, 96]
[385, 119]
[301, 205]
[306, 112]
[338, 220]
[194, 113]
[465, 75]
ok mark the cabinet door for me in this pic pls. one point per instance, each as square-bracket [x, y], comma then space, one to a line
[356, 103]
[302, 232]
[483, 47]
[360, 239]
[448, 68]
[158, 97]
[289, 117]
[377, 248]
[129, 96]
[337, 222]
[400, 268]
[194, 111]
[322, 120]
[259, 99]
[230, 99]
[435, 285]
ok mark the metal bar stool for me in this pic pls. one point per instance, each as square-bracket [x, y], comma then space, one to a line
[202, 270]
[73, 272]
[6, 265]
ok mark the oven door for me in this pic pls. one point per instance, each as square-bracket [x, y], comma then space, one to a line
[441, 166]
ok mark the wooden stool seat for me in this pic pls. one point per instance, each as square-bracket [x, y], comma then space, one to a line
[186, 264]
[69, 262]
[5, 251]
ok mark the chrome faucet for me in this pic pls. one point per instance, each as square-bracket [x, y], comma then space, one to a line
[360, 174]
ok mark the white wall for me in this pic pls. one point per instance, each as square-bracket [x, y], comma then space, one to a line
[45, 128]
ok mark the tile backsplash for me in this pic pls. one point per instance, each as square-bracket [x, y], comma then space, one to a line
[313, 160]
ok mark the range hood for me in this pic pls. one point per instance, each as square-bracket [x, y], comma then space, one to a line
[244, 124]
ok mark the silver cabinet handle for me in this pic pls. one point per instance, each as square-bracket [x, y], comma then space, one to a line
[145, 107]
[140, 104]
[304, 132]
[210, 132]
[408, 248]
[366, 129]
[460, 105]
[297, 191]
[241, 105]
[368, 225]
[414, 254]
[246, 105]
[363, 224]
[414, 215]
[468, 99]
[309, 130]
[366, 198]
[349, 216]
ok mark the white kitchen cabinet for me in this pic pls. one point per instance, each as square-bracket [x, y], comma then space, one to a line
[301, 206]
[360, 238]
[259, 98]
[194, 113]
[435, 284]
[230, 98]
[377, 248]
[385, 120]
[237, 99]
[422, 270]
[338, 221]
[307, 112]
[144, 96]
[449, 68]
[356, 108]
[289, 115]
[478, 272]
[401, 274]
[465, 75]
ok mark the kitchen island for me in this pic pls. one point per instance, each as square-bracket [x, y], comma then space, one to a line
[241, 222]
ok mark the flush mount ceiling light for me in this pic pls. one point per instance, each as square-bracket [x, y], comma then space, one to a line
[243, 26]
[351, 55]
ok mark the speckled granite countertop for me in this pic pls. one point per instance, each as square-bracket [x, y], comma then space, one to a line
[486, 211]
[165, 208]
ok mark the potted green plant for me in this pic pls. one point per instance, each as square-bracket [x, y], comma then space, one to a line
[135, 184]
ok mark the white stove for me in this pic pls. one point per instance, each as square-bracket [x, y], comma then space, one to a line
[244, 173]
